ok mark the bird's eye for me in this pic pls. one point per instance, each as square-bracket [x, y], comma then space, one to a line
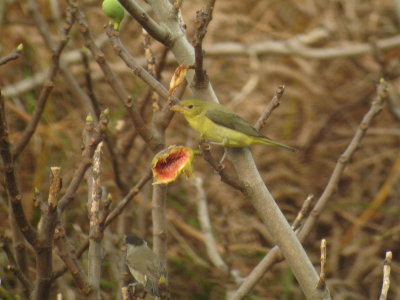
[190, 106]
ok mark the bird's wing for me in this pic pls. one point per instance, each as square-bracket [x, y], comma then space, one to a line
[140, 263]
[157, 269]
[231, 120]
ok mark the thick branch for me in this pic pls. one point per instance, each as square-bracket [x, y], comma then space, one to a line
[155, 30]
[11, 182]
[44, 248]
[95, 230]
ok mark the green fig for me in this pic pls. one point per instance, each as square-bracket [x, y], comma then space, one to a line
[114, 10]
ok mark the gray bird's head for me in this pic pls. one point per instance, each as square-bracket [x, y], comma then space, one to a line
[135, 241]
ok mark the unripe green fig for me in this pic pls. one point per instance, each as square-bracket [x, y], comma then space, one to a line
[114, 10]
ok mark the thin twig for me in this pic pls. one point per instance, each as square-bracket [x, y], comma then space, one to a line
[41, 24]
[272, 105]
[67, 253]
[89, 81]
[321, 283]
[226, 177]
[13, 266]
[22, 278]
[386, 276]
[206, 228]
[132, 193]
[303, 213]
[15, 54]
[134, 65]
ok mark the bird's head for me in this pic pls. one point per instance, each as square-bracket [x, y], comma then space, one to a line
[134, 242]
[190, 108]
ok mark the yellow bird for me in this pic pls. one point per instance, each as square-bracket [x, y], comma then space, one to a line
[222, 126]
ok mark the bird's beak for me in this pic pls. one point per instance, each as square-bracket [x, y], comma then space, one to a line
[177, 107]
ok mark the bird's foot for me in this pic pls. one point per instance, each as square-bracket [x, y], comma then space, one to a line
[223, 158]
[205, 145]
[136, 290]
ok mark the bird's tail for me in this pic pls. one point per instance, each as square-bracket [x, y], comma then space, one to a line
[267, 141]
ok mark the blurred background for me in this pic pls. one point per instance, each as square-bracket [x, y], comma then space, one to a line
[327, 93]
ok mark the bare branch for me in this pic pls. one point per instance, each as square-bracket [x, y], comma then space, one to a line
[296, 47]
[202, 212]
[272, 105]
[125, 201]
[225, 176]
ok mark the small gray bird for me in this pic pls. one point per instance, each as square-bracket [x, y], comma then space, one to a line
[145, 265]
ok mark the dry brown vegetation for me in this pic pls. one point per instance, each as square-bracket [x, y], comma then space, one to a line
[326, 97]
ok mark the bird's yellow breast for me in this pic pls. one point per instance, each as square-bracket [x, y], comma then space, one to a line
[219, 134]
